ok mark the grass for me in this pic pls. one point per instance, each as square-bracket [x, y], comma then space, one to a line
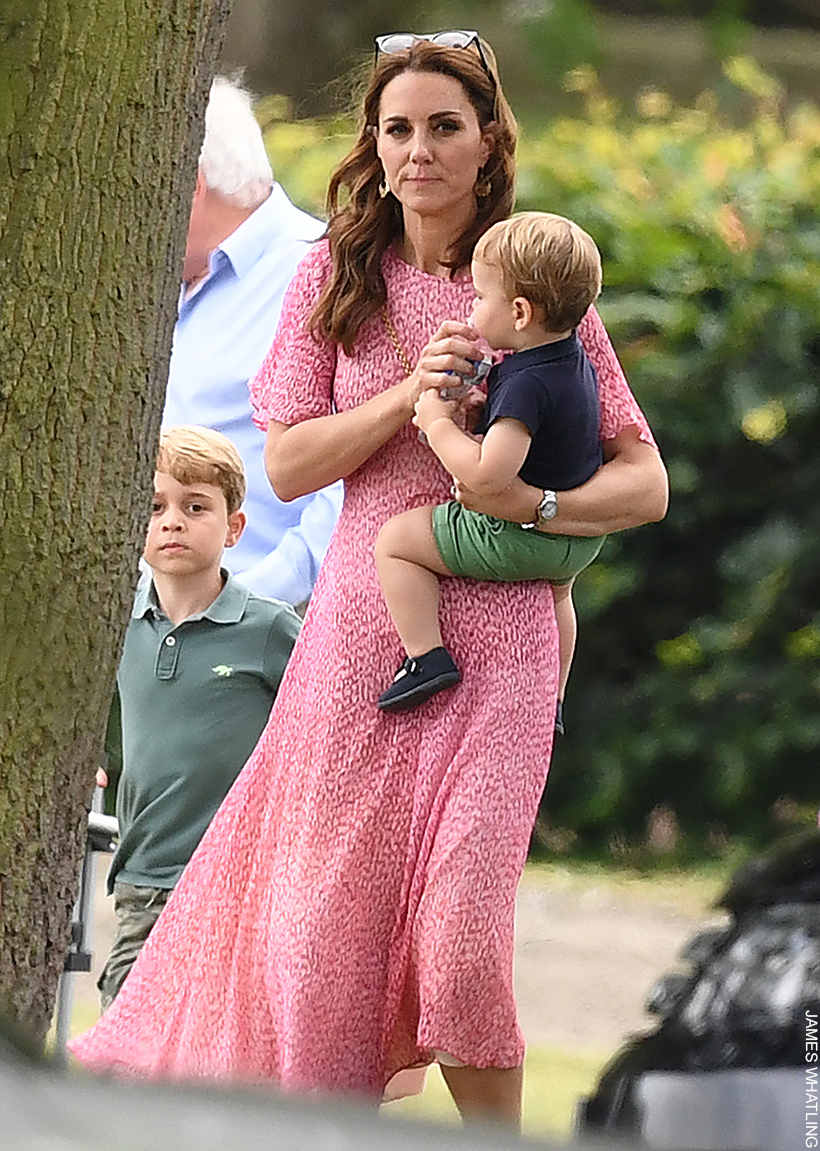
[556, 1078]
[688, 889]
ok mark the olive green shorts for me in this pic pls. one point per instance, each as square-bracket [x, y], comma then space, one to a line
[137, 910]
[482, 547]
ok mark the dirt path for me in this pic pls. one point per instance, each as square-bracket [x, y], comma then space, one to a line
[586, 958]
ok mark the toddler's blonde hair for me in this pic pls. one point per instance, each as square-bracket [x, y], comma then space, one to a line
[549, 261]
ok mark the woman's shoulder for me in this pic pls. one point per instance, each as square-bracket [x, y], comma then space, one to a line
[619, 408]
[316, 266]
[316, 263]
[311, 274]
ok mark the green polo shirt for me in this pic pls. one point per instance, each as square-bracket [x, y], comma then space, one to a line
[194, 699]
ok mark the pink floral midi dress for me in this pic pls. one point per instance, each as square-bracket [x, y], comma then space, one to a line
[350, 910]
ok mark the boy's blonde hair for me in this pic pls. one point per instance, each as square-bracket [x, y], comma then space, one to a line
[549, 261]
[194, 455]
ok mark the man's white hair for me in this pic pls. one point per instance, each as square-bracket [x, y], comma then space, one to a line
[233, 160]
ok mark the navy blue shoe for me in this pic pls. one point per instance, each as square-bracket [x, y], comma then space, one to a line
[420, 678]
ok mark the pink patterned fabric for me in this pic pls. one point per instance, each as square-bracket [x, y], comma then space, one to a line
[351, 907]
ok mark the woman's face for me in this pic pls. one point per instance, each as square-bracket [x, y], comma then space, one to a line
[430, 144]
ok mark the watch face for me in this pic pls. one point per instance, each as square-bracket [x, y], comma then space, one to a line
[548, 506]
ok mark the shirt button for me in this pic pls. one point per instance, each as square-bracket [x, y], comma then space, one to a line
[170, 640]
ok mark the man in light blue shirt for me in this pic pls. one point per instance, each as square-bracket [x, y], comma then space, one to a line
[245, 239]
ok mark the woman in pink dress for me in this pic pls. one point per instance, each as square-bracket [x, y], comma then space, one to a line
[350, 911]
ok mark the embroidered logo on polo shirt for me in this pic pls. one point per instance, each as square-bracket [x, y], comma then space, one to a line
[222, 669]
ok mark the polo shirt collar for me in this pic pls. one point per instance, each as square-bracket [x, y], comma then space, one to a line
[228, 607]
[542, 354]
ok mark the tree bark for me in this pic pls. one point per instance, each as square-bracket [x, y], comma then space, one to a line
[101, 108]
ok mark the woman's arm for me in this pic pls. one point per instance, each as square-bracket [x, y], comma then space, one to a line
[629, 490]
[303, 457]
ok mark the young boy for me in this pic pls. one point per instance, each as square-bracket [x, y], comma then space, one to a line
[535, 275]
[202, 662]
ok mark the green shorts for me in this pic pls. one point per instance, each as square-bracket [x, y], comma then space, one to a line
[482, 547]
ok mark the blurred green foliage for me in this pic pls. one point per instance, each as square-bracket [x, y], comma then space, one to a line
[302, 50]
[693, 709]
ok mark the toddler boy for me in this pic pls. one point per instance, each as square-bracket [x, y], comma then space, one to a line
[202, 661]
[535, 275]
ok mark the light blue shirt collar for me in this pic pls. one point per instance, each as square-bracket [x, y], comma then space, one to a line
[275, 221]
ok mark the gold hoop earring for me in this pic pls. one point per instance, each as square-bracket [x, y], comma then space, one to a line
[384, 191]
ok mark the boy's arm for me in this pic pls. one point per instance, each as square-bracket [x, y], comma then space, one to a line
[282, 635]
[112, 769]
[485, 467]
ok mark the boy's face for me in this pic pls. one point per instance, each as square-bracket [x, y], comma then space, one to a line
[494, 313]
[189, 527]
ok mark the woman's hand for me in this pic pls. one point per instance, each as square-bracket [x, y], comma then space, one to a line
[451, 349]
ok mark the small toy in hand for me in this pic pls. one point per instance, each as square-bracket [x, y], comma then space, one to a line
[482, 370]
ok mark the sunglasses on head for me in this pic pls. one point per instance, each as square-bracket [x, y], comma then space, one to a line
[401, 41]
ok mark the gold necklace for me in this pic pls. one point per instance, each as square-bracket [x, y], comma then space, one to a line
[394, 338]
[454, 393]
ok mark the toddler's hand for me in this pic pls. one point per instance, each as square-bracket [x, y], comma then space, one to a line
[430, 407]
[472, 405]
[453, 349]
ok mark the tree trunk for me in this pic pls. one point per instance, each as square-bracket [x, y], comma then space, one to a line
[101, 106]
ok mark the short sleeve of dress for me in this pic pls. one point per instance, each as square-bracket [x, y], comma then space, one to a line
[295, 381]
[619, 408]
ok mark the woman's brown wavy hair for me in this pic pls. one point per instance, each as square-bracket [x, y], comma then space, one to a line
[362, 225]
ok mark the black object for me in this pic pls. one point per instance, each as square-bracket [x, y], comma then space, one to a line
[101, 836]
[419, 679]
[744, 999]
[559, 718]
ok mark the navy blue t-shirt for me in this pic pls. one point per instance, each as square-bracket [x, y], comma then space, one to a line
[553, 391]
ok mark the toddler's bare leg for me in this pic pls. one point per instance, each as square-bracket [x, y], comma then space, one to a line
[409, 565]
[567, 632]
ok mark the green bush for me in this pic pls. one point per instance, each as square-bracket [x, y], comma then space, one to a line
[694, 705]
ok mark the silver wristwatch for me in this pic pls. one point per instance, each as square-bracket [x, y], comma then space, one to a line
[547, 508]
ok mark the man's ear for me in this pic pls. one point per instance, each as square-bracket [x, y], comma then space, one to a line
[236, 526]
[200, 188]
[523, 313]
